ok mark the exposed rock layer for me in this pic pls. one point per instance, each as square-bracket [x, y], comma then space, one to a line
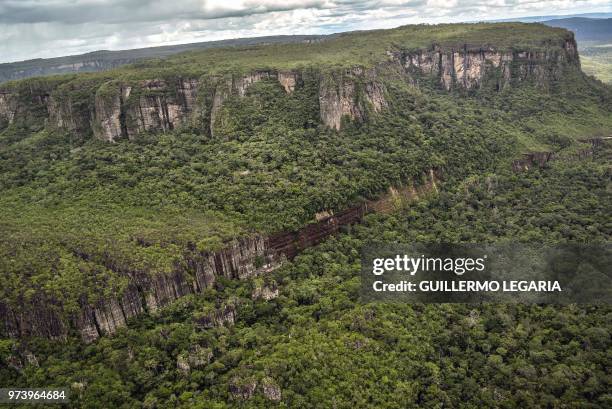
[471, 68]
[160, 105]
[533, 159]
[241, 259]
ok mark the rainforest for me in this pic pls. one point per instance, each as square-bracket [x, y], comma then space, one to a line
[186, 232]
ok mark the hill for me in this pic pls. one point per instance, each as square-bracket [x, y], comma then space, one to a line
[203, 141]
[595, 43]
[105, 60]
[185, 232]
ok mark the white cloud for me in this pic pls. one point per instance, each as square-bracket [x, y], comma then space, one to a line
[47, 28]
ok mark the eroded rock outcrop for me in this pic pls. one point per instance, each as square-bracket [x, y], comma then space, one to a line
[265, 292]
[245, 388]
[109, 122]
[8, 106]
[271, 390]
[147, 292]
[224, 316]
[126, 110]
[470, 68]
[289, 80]
[351, 93]
[242, 389]
[533, 159]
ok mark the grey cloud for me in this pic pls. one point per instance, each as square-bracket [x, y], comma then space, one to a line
[46, 28]
[122, 11]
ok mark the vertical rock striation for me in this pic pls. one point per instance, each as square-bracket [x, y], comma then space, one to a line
[148, 291]
[352, 93]
[147, 106]
[8, 106]
[126, 109]
[474, 67]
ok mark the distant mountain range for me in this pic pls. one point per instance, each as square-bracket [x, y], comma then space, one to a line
[588, 27]
[585, 29]
[543, 19]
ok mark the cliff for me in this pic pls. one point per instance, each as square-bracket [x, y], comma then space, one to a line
[124, 108]
[474, 67]
[192, 95]
[147, 292]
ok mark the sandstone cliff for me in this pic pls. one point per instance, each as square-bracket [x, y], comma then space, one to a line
[124, 109]
[471, 67]
[147, 292]
[351, 93]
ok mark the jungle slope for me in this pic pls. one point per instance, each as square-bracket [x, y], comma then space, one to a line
[126, 190]
[299, 337]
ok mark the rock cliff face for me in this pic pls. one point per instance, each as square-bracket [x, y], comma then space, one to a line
[148, 106]
[8, 105]
[533, 159]
[24, 105]
[351, 94]
[244, 389]
[471, 68]
[148, 292]
[109, 124]
[124, 110]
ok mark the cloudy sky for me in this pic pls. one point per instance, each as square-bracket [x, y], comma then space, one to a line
[50, 28]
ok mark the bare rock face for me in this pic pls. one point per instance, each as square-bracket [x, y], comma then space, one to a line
[108, 123]
[60, 115]
[468, 68]
[221, 317]
[242, 389]
[289, 80]
[245, 388]
[148, 106]
[461, 68]
[160, 107]
[8, 106]
[271, 390]
[351, 93]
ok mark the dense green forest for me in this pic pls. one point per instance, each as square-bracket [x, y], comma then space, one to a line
[81, 217]
[316, 345]
[64, 197]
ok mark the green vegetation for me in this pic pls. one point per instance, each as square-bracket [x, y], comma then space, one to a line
[358, 48]
[81, 216]
[322, 348]
[597, 61]
[141, 203]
